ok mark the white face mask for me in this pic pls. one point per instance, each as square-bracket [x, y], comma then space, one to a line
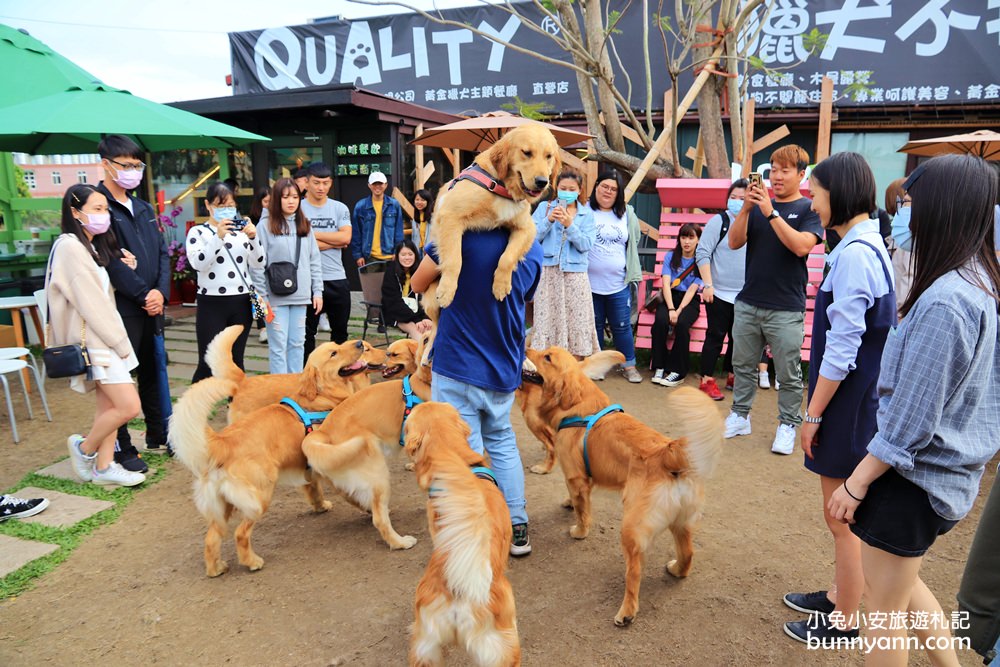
[901, 228]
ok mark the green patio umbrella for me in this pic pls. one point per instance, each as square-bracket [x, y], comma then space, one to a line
[31, 69]
[74, 120]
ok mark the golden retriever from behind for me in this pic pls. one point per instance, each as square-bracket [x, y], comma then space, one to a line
[236, 470]
[464, 595]
[319, 386]
[524, 162]
[661, 478]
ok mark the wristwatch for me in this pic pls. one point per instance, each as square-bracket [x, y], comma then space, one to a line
[813, 420]
[774, 214]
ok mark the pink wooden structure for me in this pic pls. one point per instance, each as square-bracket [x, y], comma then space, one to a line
[707, 193]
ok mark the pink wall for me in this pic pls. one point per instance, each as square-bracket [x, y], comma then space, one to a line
[44, 187]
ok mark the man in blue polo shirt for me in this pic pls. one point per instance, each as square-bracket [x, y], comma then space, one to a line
[478, 353]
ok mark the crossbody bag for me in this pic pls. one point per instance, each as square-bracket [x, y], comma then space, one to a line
[63, 361]
[282, 277]
[258, 306]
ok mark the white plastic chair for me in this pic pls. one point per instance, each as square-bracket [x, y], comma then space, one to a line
[15, 365]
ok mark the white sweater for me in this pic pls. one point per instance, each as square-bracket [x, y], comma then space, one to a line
[218, 274]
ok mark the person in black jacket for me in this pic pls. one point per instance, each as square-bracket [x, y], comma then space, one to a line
[400, 306]
[140, 294]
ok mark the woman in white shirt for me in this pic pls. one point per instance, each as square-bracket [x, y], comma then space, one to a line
[222, 251]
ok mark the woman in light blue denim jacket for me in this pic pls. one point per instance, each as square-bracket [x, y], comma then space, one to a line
[564, 316]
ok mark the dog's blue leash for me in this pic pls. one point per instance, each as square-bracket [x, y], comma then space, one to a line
[308, 419]
[588, 422]
[412, 401]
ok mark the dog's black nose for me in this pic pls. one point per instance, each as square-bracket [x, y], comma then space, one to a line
[360, 345]
[541, 182]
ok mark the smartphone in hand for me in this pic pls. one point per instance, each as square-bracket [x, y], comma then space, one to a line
[756, 179]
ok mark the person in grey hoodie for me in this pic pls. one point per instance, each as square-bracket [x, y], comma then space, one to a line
[287, 237]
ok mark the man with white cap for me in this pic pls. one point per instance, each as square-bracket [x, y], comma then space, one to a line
[377, 223]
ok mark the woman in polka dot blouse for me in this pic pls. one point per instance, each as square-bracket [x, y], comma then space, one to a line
[223, 255]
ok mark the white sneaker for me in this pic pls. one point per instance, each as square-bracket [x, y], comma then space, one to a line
[784, 440]
[657, 376]
[777, 385]
[324, 323]
[83, 464]
[672, 380]
[263, 335]
[116, 474]
[736, 425]
[762, 380]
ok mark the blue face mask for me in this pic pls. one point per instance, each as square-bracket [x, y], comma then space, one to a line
[568, 196]
[901, 228]
[734, 206]
[224, 213]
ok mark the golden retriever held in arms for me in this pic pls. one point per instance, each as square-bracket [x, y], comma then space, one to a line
[237, 469]
[347, 449]
[661, 479]
[464, 595]
[319, 386]
[525, 161]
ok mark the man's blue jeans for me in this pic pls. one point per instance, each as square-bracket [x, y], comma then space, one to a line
[488, 414]
[617, 309]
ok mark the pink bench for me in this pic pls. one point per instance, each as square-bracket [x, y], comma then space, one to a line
[707, 193]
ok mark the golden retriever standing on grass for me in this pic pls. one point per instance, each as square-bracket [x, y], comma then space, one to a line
[464, 595]
[496, 191]
[237, 469]
[661, 479]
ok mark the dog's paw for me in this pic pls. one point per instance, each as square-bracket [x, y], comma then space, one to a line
[446, 292]
[254, 563]
[674, 568]
[325, 506]
[578, 533]
[217, 569]
[540, 469]
[566, 504]
[623, 621]
[411, 466]
[405, 542]
[501, 286]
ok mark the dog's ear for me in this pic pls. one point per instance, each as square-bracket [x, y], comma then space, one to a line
[309, 385]
[556, 169]
[500, 159]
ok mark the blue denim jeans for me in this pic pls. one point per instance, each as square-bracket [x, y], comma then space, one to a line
[286, 339]
[617, 310]
[488, 414]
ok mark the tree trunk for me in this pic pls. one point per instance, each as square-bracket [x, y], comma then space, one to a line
[710, 103]
[594, 25]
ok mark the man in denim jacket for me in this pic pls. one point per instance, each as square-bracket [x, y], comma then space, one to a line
[377, 224]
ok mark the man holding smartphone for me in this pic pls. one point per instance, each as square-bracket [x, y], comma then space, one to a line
[779, 235]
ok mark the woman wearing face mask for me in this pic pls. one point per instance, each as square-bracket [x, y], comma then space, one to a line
[222, 251]
[564, 316]
[897, 204]
[81, 310]
[400, 304]
[722, 271]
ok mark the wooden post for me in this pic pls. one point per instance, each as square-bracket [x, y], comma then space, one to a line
[455, 159]
[699, 156]
[404, 203]
[670, 128]
[418, 179]
[825, 120]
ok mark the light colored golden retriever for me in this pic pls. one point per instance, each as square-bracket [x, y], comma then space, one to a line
[319, 386]
[661, 479]
[237, 469]
[464, 596]
[525, 161]
[349, 448]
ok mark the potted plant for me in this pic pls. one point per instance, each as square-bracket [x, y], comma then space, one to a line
[181, 272]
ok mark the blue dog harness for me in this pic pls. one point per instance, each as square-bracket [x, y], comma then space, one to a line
[308, 419]
[412, 401]
[588, 422]
[482, 472]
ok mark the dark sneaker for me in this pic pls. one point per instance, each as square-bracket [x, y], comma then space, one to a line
[18, 508]
[819, 632]
[520, 545]
[131, 461]
[809, 603]
[158, 448]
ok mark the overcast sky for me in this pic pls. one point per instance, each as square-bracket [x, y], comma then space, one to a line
[168, 51]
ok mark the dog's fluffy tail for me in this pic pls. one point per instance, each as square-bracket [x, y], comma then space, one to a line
[219, 355]
[701, 425]
[463, 534]
[189, 431]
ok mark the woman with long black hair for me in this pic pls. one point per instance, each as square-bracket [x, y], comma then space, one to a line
[400, 304]
[81, 310]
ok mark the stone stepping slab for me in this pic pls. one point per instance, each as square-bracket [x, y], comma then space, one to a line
[64, 509]
[15, 553]
[64, 470]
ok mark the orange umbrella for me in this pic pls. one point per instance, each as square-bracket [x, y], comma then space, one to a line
[478, 134]
[984, 143]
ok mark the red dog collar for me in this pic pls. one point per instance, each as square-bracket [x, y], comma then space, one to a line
[482, 178]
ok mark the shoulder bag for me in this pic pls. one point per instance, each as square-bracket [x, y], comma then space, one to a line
[282, 277]
[258, 306]
[63, 361]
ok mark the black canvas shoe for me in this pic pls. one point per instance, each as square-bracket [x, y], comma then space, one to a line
[809, 603]
[520, 545]
[18, 508]
[131, 461]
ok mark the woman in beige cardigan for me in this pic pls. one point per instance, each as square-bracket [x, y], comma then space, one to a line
[81, 307]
